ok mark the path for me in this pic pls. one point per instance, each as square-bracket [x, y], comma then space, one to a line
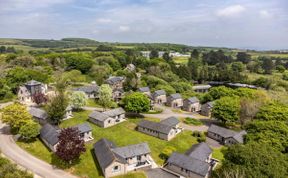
[11, 150]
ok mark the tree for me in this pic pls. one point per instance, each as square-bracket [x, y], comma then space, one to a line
[154, 54]
[237, 66]
[226, 109]
[78, 99]
[29, 130]
[280, 68]
[105, 96]
[195, 54]
[56, 108]
[274, 133]
[16, 115]
[273, 111]
[70, 145]
[255, 160]
[243, 57]
[167, 57]
[267, 65]
[218, 92]
[137, 103]
[79, 62]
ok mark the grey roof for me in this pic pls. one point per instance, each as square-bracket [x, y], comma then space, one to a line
[200, 151]
[103, 153]
[107, 152]
[175, 96]
[98, 116]
[210, 104]
[38, 113]
[83, 128]
[114, 112]
[201, 87]
[159, 93]
[132, 150]
[144, 89]
[194, 165]
[193, 100]
[49, 134]
[88, 89]
[239, 137]
[33, 82]
[170, 121]
[156, 126]
[226, 133]
[114, 79]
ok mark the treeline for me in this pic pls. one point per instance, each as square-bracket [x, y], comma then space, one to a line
[4, 49]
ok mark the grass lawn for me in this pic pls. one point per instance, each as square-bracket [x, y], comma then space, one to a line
[122, 135]
[133, 175]
[92, 103]
[192, 121]
[181, 60]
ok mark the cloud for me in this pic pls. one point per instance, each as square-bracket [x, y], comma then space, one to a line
[104, 20]
[265, 14]
[123, 28]
[231, 11]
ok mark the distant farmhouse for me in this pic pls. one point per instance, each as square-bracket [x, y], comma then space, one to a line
[192, 104]
[159, 97]
[30, 89]
[145, 90]
[91, 91]
[165, 130]
[197, 162]
[201, 88]
[175, 100]
[130, 67]
[108, 118]
[226, 136]
[85, 132]
[115, 160]
[116, 84]
[206, 109]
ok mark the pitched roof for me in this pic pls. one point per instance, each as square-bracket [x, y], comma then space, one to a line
[132, 150]
[83, 128]
[159, 93]
[194, 165]
[49, 134]
[144, 89]
[239, 137]
[103, 153]
[223, 132]
[200, 151]
[33, 82]
[114, 79]
[38, 113]
[170, 121]
[193, 100]
[88, 89]
[156, 126]
[226, 133]
[210, 104]
[175, 96]
[114, 112]
[107, 152]
[98, 116]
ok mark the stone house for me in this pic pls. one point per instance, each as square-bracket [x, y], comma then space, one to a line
[145, 90]
[115, 82]
[206, 109]
[118, 94]
[115, 161]
[39, 115]
[166, 129]
[201, 88]
[108, 118]
[130, 67]
[49, 135]
[159, 97]
[226, 136]
[85, 131]
[30, 89]
[175, 100]
[192, 104]
[91, 91]
[68, 113]
[195, 163]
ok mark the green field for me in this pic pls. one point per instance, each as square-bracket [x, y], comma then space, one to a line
[122, 135]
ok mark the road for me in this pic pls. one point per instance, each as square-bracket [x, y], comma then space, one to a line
[10, 149]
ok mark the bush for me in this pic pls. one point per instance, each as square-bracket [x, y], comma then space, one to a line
[200, 136]
[166, 152]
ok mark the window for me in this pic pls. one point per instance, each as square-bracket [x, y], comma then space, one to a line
[116, 169]
[138, 158]
[109, 121]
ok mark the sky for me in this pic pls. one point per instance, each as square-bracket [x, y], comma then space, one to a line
[253, 24]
